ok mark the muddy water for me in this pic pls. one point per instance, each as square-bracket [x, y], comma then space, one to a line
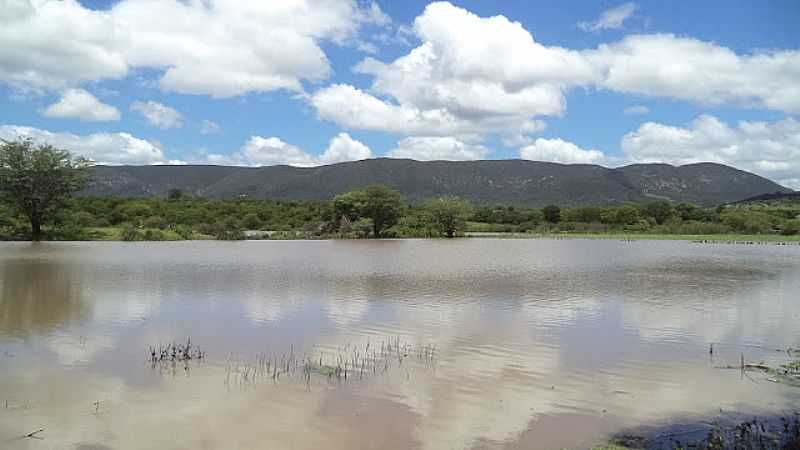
[538, 343]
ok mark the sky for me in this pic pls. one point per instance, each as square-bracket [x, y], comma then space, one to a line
[313, 82]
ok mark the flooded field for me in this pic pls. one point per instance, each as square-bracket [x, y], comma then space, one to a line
[460, 344]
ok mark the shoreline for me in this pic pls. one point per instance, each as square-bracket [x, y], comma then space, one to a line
[740, 239]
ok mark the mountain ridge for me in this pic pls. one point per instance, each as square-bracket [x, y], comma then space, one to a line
[510, 181]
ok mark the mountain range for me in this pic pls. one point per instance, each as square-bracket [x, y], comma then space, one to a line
[511, 182]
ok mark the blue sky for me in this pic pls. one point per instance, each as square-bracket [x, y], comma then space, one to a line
[318, 82]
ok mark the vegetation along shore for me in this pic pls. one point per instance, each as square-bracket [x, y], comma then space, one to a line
[47, 209]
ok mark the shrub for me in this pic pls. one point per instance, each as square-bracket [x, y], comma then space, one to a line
[130, 234]
[155, 235]
[790, 227]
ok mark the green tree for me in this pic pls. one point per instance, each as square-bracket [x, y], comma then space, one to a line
[376, 202]
[660, 211]
[39, 179]
[552, 213]
[175, 194]
[448, 215]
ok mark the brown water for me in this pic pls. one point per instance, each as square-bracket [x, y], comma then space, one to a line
[538, 343]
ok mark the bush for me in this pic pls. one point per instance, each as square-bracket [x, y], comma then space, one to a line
[362, 227]
[551, 213]
[155, 235]
[131, 234]
[749, 222]
[790, 227]
[251, 222]
[228, 230]
[184, 232]
[82, 219]
[154, 222]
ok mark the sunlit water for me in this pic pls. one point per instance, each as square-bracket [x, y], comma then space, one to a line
[538, 343]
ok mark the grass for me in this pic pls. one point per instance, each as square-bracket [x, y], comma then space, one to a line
[115, 234]
[738, 238]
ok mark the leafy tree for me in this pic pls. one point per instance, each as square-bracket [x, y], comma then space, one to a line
[585, 214]
[228, 230]
[660, 211]
[39, 179]
[376, 202]
[362, 227]
[175, 194]
[622, 215]
[790, 227]
[448, 215]
[552, 213]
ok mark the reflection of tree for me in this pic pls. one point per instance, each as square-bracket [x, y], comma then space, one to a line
[38, 295]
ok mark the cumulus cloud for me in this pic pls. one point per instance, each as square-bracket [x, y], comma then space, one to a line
[158, 115]
[611, 18]
[272, 151]
[344, 148]
[80, 104]
[768, 149]
[102, 148]
[560, 151]
[243, 46]
[664, 65]
[210, 127]
[438, 148]
[470, 75]
[476, 75]
[636, 110]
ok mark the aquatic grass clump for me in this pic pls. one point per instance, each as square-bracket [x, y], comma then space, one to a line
[346, 363]
[772, 433]
[174, 352]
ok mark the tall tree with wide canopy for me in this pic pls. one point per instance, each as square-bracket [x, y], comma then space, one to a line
[376, 202]
[38, 179]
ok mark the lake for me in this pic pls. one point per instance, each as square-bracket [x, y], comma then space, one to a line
[448, 344]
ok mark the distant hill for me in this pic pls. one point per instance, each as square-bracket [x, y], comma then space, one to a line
[514, 182]
[774, 198]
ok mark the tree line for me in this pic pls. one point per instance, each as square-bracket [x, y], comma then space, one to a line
[37, 183]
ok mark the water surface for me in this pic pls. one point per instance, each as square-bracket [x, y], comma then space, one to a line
[538, 343]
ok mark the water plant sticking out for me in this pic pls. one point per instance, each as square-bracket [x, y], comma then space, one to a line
[345, 364]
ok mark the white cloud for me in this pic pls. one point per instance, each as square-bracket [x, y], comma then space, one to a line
[611, 18]
[558, 150]
[209, 127]
[636, 110]
[472, 76]
[261, 151]
[158, 115]
[438, 148]
[344, 148]
[80, 104]
[768, 149]
[242, 46]
[664, 65]
[271, 151]
[103, 148]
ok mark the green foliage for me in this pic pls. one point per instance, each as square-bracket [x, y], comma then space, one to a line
[175, 194]
[659, 211]
[130, 233]
[748, 221]
[352, 214]
[448, 215]
[552, 213]
[585, 214]
[383, 206]
[38, 179]
[362, 227]
[790, 227]
[227, 230]
[620, 215]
